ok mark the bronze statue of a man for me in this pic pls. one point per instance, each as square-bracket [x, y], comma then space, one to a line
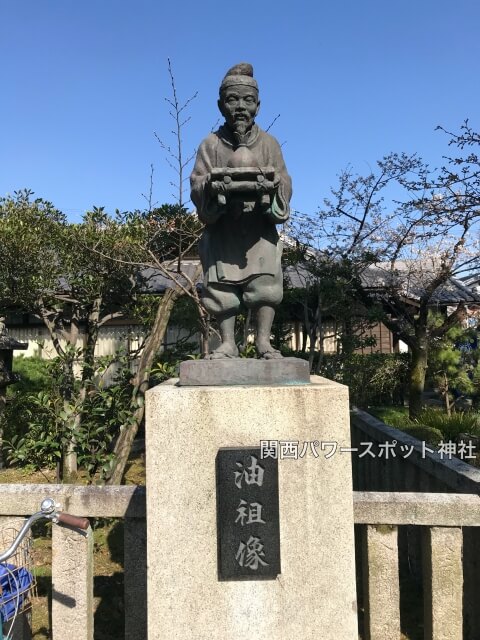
[241, 189]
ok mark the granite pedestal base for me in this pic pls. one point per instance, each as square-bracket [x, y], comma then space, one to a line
[314, 595]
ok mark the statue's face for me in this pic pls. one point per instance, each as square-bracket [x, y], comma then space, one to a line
[239, 105]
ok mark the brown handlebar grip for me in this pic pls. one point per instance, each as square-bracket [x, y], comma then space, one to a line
[74, 521]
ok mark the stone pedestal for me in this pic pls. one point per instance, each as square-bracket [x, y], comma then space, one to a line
[314, 596]
[243, 371]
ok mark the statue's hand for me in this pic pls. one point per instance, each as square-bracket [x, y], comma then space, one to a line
[217, 187]
[215, 191]
[266, 186]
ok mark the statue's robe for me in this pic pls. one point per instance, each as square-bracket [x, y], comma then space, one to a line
[236, 248]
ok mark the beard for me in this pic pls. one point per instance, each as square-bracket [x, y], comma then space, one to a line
[241, 127]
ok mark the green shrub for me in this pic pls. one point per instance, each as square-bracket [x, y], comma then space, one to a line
[38, 426]
[33, 430]
[427, 434]
[33, 377]
[398, 417]
[394, 416]
[373, 378]
[450, 426]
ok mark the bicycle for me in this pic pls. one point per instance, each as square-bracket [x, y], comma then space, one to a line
[17, 582]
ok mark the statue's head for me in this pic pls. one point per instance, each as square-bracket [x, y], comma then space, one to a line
[239, 102]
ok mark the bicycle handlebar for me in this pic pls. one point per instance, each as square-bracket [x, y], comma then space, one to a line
[22, 533]
[73, 521]
[48, 511]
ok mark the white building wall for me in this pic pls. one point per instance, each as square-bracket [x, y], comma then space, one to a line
[111, 339]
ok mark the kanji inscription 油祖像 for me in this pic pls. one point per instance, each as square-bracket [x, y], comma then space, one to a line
[247, 515]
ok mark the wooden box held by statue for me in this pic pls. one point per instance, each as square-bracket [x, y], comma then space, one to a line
[242, 180]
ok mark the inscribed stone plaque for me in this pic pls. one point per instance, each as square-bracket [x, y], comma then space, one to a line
[247, 515]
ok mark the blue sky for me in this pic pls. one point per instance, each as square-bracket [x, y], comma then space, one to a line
[83, 87]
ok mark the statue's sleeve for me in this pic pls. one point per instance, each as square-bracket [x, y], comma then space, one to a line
[279, 212]
[207, 208]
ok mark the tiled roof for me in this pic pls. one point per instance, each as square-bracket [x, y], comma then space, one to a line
[154, 281]
[412, 278]
[376, 277]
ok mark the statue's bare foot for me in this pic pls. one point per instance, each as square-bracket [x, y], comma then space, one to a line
[266, 351]
[225, 350]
